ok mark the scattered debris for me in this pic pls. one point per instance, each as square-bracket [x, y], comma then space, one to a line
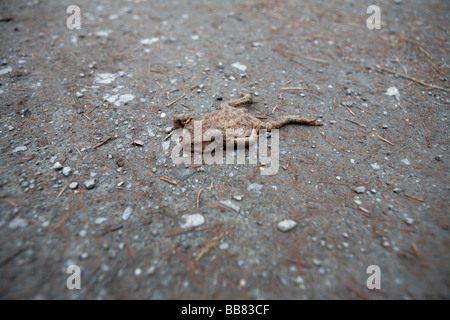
[393, 91]
[57, 166]
[73, 185]
[254, 187]
[360, 189]
[231, 205]
[89, 184]
[192, 220]
[286, 225]
[66, 171]
[127, 213]
[138, 143]
[375, 166]
[20, 149]
[241, 67]
[100, 220]
[406, 161]
[150, 41]
[17, 223]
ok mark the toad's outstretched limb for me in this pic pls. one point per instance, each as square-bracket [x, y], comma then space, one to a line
[278, 122]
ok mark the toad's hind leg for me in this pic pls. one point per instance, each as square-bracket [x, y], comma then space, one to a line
[246, 98]
[281, 121]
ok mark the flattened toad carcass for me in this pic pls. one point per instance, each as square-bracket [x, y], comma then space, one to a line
[244, 125]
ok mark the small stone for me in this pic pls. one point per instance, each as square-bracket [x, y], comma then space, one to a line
[406, 161]
[66, 171]
[231, 205]
[127, 213]
[73, 185]
[438, 157]
[360, 189]
[254, 187]
[150, 133]
[165, 145]
[84, 255]
[57, 166]
[20, 149]
[182, 173]
[338, 178]
[317, 262]
[150, 271]
[112, 253]
[397, 190]
[100, 220]
[120, 162]
[409, 220]
[237, 198]
[17, 223]
[138, 143]
[239, 66]
[393, 91]
[375, 166]
[82, 233]
[286, 225]
[168, 129]
[78, 94]
[89, 184]
[192, 220]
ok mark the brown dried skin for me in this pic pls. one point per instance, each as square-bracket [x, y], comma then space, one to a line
[243, 125]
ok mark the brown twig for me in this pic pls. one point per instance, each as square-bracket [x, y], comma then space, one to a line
[411, 78]
[210, 245]
[79, 152]
[387, 141]
[414, 198]
[103, 142]
[198, 198]
[177, 99]
[169, 181]
[11, 203]
[359, 124]
[349, 109]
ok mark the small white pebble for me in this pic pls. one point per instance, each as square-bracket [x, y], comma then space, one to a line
[286, 225]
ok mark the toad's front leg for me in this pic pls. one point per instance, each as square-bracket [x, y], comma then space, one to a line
[180, 121]
[246, 98]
